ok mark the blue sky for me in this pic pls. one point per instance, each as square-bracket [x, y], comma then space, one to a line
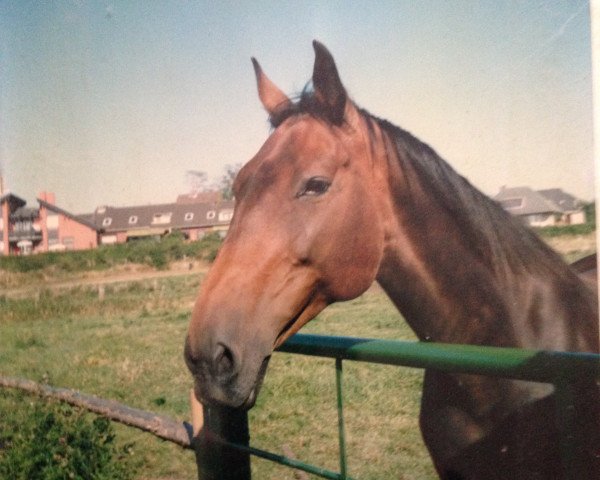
[112, 102]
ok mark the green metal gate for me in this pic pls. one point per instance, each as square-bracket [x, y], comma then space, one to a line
[562, 369]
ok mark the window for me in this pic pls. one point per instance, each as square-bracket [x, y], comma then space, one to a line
[225, 215]
[211, 214]
[106, 221]
[52, 222]
[22, 226]
[510, 203]
[161, 218]
[189, 216]
[133, 220]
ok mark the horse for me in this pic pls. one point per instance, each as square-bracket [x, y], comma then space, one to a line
[336, 199]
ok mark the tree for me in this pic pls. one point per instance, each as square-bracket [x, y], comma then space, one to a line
[226, 183]
[197, 180]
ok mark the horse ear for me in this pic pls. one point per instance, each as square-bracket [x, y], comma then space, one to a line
[272, 98]
[329, 90]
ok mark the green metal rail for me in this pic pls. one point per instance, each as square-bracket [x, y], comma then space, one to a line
[562, 369]
[515, 363]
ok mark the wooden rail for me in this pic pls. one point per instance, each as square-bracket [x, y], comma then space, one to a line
[159, 425]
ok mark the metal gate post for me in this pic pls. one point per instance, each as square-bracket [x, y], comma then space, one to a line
[341, 425]
[573, 435]
[215, 460]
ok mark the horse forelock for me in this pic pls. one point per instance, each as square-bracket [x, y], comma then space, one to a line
[304, 103]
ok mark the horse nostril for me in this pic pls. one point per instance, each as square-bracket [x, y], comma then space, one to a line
[223, 360]
[190, 360]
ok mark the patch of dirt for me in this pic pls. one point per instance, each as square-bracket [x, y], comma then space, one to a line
[567, 245]
[122, 273]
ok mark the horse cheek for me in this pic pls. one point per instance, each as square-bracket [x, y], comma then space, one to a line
[354, 260]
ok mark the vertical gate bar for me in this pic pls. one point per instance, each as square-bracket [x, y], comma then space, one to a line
[341, 429]
[571, 440]
[565, 426]
[218, 461]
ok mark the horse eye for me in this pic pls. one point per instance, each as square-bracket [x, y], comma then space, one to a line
[315, 186]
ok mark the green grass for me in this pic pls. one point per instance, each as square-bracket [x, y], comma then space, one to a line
[128, 347]
[566, 230]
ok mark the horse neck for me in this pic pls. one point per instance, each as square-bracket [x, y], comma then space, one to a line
[450, 284]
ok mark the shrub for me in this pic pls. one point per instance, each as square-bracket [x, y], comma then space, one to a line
[57, 441]
[557, 231]
[210, 245]
[157, 254]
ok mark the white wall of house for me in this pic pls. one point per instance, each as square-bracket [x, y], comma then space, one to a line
[576, 218]
[541, 220]
[108, 239]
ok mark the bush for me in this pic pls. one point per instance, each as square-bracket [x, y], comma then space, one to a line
[157, 254]
[57, 441]
[582, 229]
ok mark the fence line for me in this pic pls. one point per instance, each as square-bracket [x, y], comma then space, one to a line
[220, 436]
[159, 425]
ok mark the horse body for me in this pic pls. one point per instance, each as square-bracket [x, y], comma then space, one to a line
[504, 287]
[336, 199]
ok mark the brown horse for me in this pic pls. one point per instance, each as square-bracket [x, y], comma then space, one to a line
[337, 198]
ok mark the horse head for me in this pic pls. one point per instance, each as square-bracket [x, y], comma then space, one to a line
[307, 231]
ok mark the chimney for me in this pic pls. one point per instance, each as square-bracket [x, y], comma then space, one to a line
[47, 197]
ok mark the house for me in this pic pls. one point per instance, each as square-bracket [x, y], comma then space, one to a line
[16, 226]
[542, 208]
[193, 219]
[27, 230]
[572, 208]
[62, 230]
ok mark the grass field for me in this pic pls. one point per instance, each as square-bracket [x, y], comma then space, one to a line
[126, 344]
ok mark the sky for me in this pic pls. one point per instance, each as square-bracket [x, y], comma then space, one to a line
[111, 103]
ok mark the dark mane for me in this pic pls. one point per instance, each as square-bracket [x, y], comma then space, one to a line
[495, 234]
[499, 237]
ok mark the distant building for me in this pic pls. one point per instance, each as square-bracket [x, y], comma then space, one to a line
[194, 220]
[542, 208]
[47, 228]
[62, 230]
[25, 230]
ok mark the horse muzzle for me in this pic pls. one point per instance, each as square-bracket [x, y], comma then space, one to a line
[223, 377]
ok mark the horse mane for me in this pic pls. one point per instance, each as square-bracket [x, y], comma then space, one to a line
[499, 238]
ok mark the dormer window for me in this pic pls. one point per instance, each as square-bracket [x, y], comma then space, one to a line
[161, 218]
[189, 216]
[225, 215]
[133, 220]
[211, 215]
[106, 222]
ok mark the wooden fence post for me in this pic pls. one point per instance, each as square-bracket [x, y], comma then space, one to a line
[215, 460]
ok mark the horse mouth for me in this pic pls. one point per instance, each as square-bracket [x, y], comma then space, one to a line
[284, 333]
[235, 394]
